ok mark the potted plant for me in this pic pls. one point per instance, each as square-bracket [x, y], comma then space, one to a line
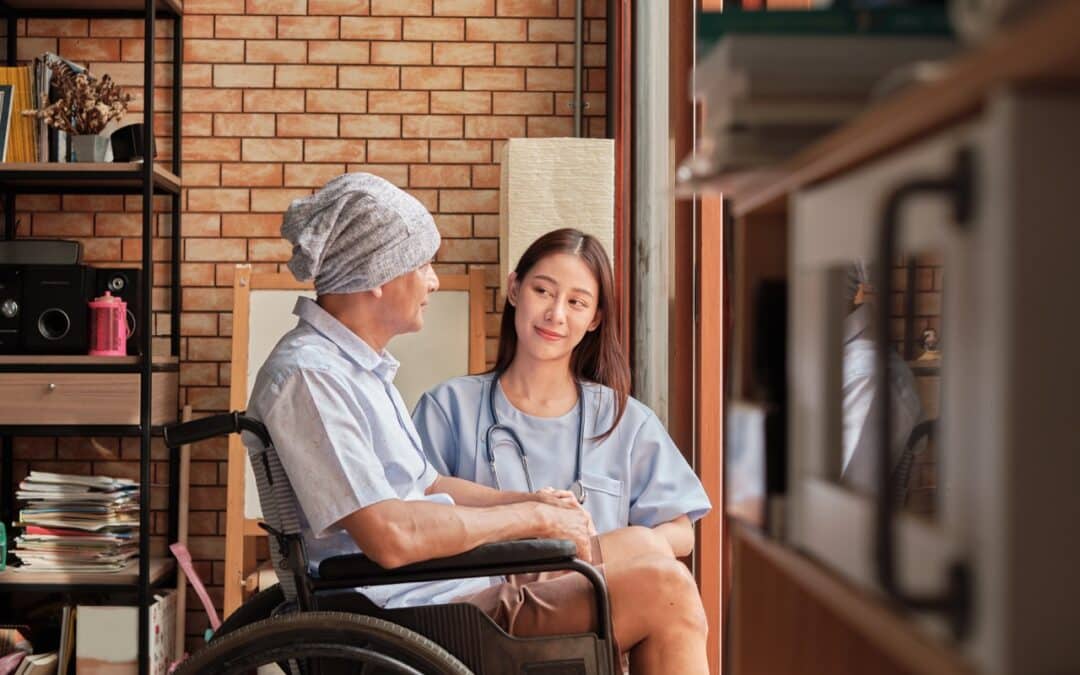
[85, 106]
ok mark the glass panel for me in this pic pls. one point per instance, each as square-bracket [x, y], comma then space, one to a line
[915, 382]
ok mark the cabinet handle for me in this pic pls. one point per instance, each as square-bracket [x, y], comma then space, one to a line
[52, 386]
[955, 600]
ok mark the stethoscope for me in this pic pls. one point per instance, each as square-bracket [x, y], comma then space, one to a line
[577, 488]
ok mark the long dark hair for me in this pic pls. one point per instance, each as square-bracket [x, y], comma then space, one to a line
[599, 356]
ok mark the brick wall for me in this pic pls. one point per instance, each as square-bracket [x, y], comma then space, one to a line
[279, 97]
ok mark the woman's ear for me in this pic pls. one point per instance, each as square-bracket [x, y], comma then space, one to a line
[512, 288]
[595, 322]
[377, 291]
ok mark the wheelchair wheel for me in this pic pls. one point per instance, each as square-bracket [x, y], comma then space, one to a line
[258, 607]
[324, 642]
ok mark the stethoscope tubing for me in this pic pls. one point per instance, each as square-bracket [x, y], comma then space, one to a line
[577, 487]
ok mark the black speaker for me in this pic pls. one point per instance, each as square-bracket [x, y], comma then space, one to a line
[10, 308]
[54, 313]
[124, 283]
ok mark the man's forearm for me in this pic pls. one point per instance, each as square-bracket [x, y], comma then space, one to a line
[468, 493]
[395, 533]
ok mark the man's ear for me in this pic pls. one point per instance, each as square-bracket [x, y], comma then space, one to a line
[512, 288]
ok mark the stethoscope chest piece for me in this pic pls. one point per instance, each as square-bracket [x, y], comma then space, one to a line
[578, 490]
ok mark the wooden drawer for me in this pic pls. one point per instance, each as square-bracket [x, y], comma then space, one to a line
[83, 398]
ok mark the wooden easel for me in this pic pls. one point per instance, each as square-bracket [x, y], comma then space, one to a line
[240, 529]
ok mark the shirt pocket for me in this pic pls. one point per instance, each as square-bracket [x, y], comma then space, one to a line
[604, 501]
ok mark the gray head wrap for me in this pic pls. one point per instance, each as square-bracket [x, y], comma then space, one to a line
[858, 274]
[357, 233]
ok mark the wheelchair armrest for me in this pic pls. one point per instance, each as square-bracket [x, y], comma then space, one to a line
[525, 553]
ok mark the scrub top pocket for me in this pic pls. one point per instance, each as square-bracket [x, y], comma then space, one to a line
[604, 501]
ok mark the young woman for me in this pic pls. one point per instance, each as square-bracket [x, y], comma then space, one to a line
[555, 412]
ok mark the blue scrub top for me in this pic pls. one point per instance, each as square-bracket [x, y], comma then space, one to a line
[635, 476]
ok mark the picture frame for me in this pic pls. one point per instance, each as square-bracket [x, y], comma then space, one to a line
[7, 92]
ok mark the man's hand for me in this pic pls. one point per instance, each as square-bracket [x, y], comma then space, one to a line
[570, 522]
[554, 497]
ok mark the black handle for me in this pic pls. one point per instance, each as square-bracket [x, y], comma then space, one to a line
[955, 600]
[216, 425]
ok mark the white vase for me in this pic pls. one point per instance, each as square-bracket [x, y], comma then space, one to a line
[88, 148]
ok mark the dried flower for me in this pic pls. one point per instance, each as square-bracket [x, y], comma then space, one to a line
[86, 104]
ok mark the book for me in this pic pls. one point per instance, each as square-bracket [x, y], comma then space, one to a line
[39, 664]
[6, 101]
[107, 637]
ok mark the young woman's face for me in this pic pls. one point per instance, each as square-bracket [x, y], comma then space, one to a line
[555, 305]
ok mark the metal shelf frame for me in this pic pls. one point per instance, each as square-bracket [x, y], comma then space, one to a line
[147, 179]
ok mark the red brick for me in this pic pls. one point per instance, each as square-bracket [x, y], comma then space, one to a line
[370, 28]
[63, 225]
[542, 8]
[308, 27]
[494, 127]
[57, 27]
[339, 7]
[433, 77]
[251, 174]
[539, 54]
[594, 56]
[276, 51]
[464, 54]
[468, 250]
[550, 126]
[369, 77]
[93, 202]
[522, 103]
[243, 76]
[337, 101]
[209, 349]
[198, 124]
[214, 6]
[439, 175]
[135, 50]
[197, 373]
[489, 79]
[551, 30]
[486, 176]
[461, 102]
[398, 102]
[272, 100]
[549, 79]
[272, 150]
[307, 125]
[246, 27]
[196, 26]
[275, 201]
[454, 224]
[460, 151]
[250, 224]
[398, 174]
[464, 7]
[370, 126]
[90, 49]
[272, 250]
[339, 51]
[397, 151]
[401, 7]
[434, 29]
[222, 199]
[243, 124]
[311, 175]
[334, 150]
[496, 30]
[214, 51]
[431, 126]
[276, 6]
[201, 224]
[198, 75]
[306, 76]
[30, 47]
[118, 224]
[401, 53]
[211, 149]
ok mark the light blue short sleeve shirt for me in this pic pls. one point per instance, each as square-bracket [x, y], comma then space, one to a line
[634, 476]
[345, 439]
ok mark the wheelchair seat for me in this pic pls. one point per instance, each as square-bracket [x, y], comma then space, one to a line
[450, 638]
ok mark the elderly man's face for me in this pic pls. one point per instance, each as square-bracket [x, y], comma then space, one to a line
[405, 298]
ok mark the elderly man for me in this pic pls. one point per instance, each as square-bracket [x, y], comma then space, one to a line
[354, 459]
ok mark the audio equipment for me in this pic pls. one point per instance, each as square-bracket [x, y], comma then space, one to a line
[40, 252]
[10, 308]
[126, 284]
[54, 309]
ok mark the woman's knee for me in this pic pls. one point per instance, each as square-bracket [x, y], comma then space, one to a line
[673, 587]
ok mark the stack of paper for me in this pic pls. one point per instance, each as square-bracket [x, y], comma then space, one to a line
[77, 523]
[768, 96]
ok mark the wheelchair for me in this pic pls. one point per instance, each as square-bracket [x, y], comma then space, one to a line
[315, 621]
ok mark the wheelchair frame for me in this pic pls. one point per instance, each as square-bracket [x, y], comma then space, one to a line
[461, 629]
